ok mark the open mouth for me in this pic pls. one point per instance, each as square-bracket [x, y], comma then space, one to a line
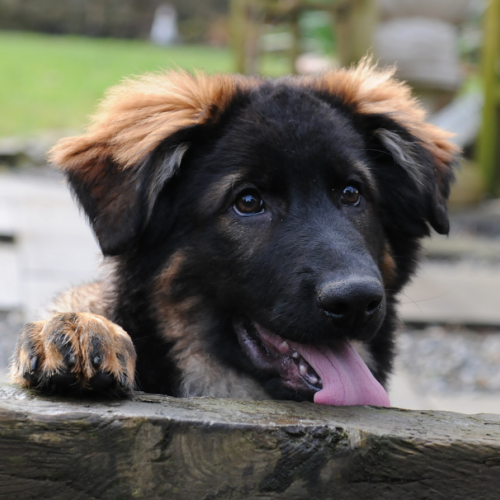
[329, 375]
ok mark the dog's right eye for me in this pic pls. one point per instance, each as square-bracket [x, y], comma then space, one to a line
[350, 196]
[249, 202]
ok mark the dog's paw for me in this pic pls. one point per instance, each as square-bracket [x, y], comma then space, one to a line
[75, 353]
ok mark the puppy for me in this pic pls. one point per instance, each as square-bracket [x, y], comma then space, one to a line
[255, 233]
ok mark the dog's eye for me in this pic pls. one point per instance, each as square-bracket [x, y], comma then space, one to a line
[350, 196]
[249, 202]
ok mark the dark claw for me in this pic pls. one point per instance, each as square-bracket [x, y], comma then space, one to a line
[101, 380]
[30, 376]
[123, 381]
[66, 350]
[96, 361]
[34, 362]
[70, 360]
[63, 380]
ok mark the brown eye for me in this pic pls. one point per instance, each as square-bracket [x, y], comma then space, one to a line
[249, 202]
[350, 196]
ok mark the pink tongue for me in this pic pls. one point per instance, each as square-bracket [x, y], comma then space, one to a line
[346, 378]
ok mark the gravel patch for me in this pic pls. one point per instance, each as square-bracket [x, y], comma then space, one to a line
[451, 359]
[10, 326]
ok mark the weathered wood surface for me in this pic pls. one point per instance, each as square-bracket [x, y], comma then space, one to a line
[156, 447]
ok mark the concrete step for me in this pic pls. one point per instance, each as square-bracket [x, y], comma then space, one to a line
[464, 292]
[51, 245]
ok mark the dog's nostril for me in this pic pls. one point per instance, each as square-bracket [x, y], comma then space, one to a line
[373, 305]
[338, 308]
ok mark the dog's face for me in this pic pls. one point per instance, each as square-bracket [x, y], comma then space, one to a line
[275, 237]
[278, 229]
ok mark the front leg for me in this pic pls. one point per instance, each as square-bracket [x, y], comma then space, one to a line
[75, 353]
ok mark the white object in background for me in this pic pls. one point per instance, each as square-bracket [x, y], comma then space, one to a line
[462, 117]
[164, 29]
[314, 63]
[424, 51]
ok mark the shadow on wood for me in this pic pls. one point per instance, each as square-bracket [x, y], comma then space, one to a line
[156, 447]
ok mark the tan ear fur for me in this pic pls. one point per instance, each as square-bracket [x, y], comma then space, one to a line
[137, 115]
[369, 90]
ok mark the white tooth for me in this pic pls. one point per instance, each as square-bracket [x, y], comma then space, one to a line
[313, 379]
[284, 347]
[295, 355]
[302, 369]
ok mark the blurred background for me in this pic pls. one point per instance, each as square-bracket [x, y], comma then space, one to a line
[57, 57]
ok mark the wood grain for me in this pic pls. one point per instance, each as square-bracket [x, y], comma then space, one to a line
[156, 447]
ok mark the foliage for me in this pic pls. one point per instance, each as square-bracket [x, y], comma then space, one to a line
[317, 32]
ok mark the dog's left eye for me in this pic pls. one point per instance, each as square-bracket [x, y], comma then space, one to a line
[249, 202]
[350, 196]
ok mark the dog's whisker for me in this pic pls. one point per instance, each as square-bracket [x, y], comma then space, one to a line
[434, 297]
[410, 301]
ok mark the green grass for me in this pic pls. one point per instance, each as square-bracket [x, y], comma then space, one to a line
[55, 82]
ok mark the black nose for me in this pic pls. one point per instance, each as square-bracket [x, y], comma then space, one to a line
[351, 302]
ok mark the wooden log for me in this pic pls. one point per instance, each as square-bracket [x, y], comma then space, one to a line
[156, 447]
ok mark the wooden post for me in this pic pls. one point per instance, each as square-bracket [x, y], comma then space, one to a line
[238, 33]
[355, 23]
[295, 48]
[355, 26]
[155, 447]
[252, 50]
[488, 150]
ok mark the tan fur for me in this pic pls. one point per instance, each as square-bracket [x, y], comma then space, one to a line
[181, 324]
[21, 361]
[372, 91]
[88, 298]
[387, 266]
[138, 114]
[218, 190]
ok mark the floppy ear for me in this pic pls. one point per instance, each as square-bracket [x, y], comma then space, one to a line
[431, 176]
[135, 145]
[118, 201]
[395, 124]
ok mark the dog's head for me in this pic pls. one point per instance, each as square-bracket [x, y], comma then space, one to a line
[289, 212]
